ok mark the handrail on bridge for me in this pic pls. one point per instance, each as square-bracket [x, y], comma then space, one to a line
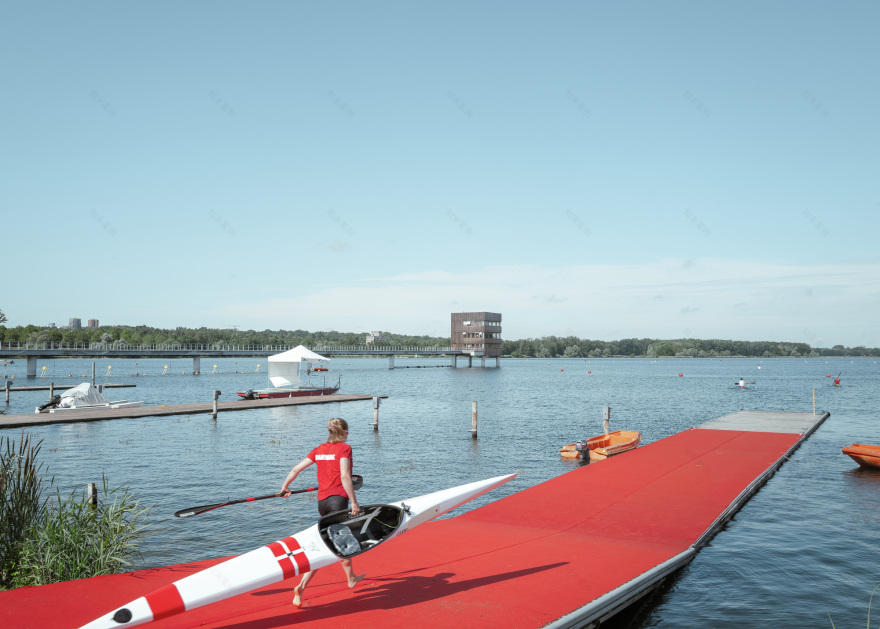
[122, 346]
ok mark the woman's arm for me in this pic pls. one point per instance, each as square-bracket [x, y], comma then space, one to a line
[299, 467]
[345, 476]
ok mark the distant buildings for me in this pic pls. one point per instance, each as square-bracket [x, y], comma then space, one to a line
[74, 324]
[478, 333]
[377, 335]
[93, 323]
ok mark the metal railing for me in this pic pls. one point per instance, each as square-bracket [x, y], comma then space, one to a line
[213, 347]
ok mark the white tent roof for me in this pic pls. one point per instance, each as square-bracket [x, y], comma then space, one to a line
[284, 368]
[297, 355]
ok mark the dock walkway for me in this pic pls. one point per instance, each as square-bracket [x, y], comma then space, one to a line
[66, 417]
[569, 552]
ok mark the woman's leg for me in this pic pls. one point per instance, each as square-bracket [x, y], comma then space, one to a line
[301, 587]
[353, 579]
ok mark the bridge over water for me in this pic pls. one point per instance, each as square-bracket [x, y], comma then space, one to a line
[197, 351]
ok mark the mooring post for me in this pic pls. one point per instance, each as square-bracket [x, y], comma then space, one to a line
[51, 390]
[93, 494]
[375, 413]
[216, 395]
[93, 374]
[473, 429]
[606, 417]
[8, 386]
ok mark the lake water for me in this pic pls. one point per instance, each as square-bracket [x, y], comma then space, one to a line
[806, 545]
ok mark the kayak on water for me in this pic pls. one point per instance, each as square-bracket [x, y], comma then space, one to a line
[336, 536]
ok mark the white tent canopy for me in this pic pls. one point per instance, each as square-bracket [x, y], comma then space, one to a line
[284, 368]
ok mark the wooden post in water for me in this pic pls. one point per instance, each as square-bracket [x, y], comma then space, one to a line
[93, 494]
[51, 390]
[375, 423]
[606, 418]
[8, 386]
[216, 395]
[473, 429]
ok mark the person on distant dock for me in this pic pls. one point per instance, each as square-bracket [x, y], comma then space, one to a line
[335, 489]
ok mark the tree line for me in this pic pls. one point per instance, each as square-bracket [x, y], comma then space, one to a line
[544, 347]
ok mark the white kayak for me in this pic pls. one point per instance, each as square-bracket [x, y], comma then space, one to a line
[336, 536]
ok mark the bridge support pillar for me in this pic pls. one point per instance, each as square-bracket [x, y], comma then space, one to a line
[454, 362]
[483, 362]
[32, 367]
[197, 365]
[391, 361]
[470, 361]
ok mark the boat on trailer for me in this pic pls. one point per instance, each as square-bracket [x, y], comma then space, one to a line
[335, 537]
[867, 456]
[285, 376]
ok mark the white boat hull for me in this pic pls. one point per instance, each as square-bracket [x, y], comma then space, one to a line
[291, 556]
[92, 407]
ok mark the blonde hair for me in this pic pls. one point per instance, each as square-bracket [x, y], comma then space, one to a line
[337, 427]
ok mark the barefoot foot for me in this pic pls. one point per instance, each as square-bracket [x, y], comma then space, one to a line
[356, 579]
[297, 596]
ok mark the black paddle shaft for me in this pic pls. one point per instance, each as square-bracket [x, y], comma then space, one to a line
[356, 481]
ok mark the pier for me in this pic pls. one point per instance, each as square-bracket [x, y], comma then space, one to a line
[91, 415]
[569, 552]
[197, 351]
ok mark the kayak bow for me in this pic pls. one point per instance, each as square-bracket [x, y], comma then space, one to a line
[336, 536]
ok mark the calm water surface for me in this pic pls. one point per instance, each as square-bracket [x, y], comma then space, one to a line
[806, 545]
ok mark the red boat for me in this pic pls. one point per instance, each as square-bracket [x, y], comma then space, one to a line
[284, 376]
[864, 455]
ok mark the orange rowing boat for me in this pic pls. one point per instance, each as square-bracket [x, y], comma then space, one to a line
[603, 446]
[612, 443]
[863, 454]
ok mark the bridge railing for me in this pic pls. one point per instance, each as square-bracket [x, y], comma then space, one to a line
[212, 347]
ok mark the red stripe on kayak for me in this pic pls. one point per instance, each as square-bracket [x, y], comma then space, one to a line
[165, 602]
[302, 562]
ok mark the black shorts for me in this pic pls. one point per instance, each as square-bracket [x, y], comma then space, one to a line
[331, 504]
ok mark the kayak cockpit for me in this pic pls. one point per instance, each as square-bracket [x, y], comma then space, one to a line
[347, 536]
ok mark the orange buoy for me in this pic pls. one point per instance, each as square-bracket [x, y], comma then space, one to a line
[679, 375]
[562, 370]
[827, 375]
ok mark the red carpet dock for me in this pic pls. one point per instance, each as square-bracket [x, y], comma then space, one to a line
[569, 552]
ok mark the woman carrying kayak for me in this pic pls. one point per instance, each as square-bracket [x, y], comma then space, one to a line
[335, 489]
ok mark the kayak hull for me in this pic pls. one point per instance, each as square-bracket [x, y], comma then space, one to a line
[291, 556]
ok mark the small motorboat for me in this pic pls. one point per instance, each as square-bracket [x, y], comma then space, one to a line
[285, 380]
[83, 397]
[576, 450]
[864, 454]
[613, 443]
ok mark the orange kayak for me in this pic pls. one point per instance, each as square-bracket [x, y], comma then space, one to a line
[863, 454]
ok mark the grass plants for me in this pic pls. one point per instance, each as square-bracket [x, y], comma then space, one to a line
[61, 539]
[869, 610]
[21, 502]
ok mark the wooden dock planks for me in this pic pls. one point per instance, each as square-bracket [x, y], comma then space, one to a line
[65, 417]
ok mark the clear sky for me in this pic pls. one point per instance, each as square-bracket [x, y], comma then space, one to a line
[606, 170]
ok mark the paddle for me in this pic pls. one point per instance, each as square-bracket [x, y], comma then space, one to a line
[356, 481]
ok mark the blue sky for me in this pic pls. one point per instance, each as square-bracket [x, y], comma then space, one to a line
[607, 170]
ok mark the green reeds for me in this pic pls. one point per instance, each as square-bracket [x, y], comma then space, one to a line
[21, 502]
[45, 542]
[76, 539]
[869, 610]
